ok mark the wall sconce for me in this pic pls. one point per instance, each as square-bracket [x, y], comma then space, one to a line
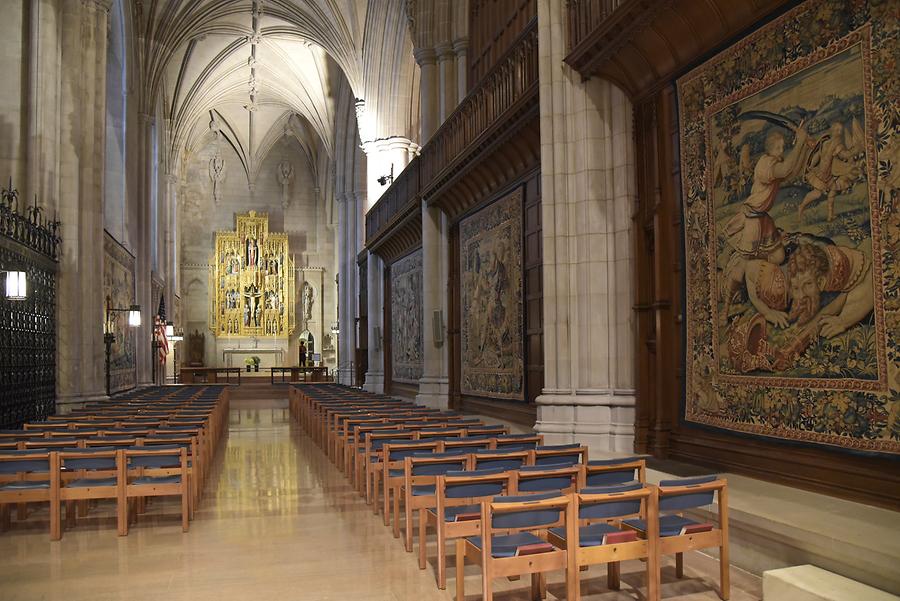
[16, 285]
[134, 316]
[385, 180]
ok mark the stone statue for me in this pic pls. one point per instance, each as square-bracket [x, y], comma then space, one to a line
[307, 300]
[217, 175]
[285, 176]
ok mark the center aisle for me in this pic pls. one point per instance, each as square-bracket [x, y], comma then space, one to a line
[280, 522]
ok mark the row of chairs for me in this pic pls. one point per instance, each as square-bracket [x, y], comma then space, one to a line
[463, 486]
[127, 449]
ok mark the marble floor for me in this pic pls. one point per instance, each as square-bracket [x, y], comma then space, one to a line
[277, 521]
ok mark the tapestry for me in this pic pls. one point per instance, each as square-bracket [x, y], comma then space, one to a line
[790, 164]
[118, 285]
[407, 317]
[492, 351]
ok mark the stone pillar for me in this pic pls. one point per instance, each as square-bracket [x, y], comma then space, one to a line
[348, 287]
[448, 81]
[460, 47]
[434, 383]
[82, 89]
[144, 258]
[587, 176]
[429, 106]
[375, 285]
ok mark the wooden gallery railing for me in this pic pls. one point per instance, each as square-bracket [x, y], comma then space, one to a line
[510, 83]
[587, 15]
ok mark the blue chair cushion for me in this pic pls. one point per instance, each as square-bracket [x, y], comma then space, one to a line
[25, 485]
[90, 482]
[156, 461]
[424, 490]
[588, 536]
[669, 525]
[506, 546]
[395, 473]
[147, 480]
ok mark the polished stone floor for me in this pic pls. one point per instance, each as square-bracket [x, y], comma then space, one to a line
[278, 522]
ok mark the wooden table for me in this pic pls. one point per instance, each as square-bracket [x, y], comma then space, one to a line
[209, 375]
[316, 374]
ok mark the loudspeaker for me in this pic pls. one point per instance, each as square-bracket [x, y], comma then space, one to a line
[437, 325]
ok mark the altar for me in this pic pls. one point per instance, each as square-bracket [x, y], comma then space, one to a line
[267, 356]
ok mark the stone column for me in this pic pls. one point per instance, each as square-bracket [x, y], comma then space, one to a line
[448, 81]
[347, 274]
[82, 90]
[429, 106]
[375, 285]
[460, 47]
[434, 383]
[144, 265]
[588, 182]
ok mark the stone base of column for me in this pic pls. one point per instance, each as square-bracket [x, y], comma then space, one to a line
[67, 404]
[374, 382]
[434, 392]
[344, 375]
[602, 420]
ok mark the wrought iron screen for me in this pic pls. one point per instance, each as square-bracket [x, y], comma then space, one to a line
[28, 243]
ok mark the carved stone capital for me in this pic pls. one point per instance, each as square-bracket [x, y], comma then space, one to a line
[425, 56]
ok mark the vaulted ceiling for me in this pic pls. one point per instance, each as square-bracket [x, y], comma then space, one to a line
[257, 70]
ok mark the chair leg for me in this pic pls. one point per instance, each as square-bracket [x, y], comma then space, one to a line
[185, 510]
[4, 517]
[536, 586]
[408, 533]
[423, 534]
[724, 573]
[460, 569]
[396, 516]
[55, 520]
[679, 565]
[70, 514]
[487, 589]
[442, 556]
[22, 512]
[613, 572]
[122, 516]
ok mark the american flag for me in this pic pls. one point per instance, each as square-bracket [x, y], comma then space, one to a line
[162, 343]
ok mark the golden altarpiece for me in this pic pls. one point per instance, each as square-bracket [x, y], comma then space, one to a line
[252, 282]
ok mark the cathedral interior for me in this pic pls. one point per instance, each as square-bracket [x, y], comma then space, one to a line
[411, 299]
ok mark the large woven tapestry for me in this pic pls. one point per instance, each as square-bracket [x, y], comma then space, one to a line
[790, 173]
[118, 284]
[492, 358]
[406, 319]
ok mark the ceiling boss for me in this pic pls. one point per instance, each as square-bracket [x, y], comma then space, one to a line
[252, 281]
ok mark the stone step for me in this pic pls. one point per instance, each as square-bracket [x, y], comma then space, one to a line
[811, 583]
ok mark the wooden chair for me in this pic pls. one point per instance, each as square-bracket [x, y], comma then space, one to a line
[91, 474]
[373, 458]
[518, 442]
[500, 459]
[465, 445]
[607, 472]
[492, 430]
[568, 454]
[393, 456]
[457, 511]
[509, 544]
[30, 476]
[155, 472]
[420, 474]
[532, 479]
[678, 533]
[599, 540]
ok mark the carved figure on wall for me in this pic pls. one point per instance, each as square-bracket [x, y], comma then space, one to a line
[307, 300]
[217, 175]
[252, 256]
[285, 176]
[196, 349]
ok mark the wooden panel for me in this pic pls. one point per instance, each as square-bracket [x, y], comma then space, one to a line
[494, 26]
